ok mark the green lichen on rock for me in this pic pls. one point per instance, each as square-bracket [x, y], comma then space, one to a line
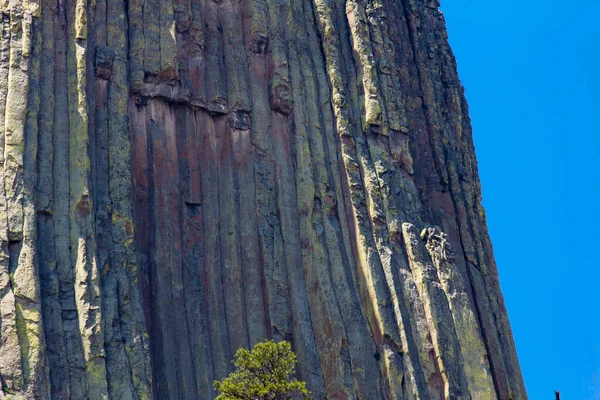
[180, 179]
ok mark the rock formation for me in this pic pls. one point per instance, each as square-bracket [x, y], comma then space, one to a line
[182, 178]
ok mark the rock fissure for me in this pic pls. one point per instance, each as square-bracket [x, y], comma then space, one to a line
[182, 179]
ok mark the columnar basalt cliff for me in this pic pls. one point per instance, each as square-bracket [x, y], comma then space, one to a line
[182, 178]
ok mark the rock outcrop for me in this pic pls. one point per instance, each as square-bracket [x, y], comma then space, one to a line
[183, 178]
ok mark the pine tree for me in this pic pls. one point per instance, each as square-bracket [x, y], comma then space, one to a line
[263, 373]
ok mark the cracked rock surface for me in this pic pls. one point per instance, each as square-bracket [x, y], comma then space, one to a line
[182, 178]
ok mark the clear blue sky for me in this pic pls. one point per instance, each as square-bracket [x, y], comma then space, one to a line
[531, 69]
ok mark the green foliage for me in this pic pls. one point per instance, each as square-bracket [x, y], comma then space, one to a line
[263, 373]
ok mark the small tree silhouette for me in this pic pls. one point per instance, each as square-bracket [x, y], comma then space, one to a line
[263, 373]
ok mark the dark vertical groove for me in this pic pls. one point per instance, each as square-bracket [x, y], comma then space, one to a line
[217, 317]
[243, 151]
[49, 282]
[259, 159]
[167, 255]
[182, 178]
[173, 246]
[193, 250]
[101, 174]
[236, 248]
[268, 130]
[164, 340]
[72, 339]
[231, 272]
[147, 171]
[141, 155]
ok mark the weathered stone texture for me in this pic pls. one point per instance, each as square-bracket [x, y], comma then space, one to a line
[183, 178]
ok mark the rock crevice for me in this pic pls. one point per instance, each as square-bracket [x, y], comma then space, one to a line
[182, 179]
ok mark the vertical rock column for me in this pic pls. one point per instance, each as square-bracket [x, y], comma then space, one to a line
[476, 364]
[83, 241]
[22, 338]
[183, 178]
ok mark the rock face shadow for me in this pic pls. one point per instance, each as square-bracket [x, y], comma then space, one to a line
[182, 179]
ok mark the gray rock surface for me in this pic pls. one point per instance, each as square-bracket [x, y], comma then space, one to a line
[184, 178]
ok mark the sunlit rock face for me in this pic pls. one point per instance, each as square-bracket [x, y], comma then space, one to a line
[184, 178]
